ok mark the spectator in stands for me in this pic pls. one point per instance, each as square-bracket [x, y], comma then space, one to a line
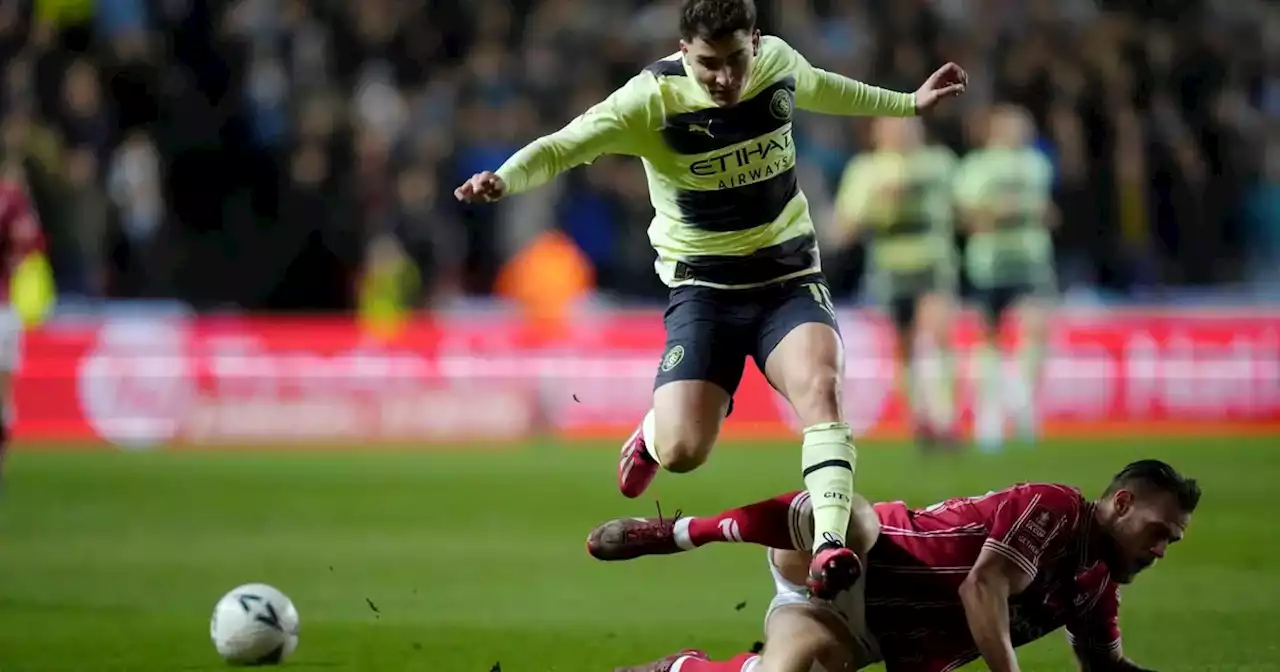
[134, 185]
[429, 234]
[86, 225]
[301, 118]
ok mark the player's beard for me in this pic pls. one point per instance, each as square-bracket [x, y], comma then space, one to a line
[1110, 554]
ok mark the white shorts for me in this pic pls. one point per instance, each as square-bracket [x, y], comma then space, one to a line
[849, 607]
[10, 339]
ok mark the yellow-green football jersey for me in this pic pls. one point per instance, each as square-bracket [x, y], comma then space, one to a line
[729, 211]
[903, 202]
[1018, 183]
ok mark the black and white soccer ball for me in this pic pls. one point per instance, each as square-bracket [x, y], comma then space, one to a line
[254, 624]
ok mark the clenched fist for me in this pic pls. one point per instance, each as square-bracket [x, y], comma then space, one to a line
[948, 81]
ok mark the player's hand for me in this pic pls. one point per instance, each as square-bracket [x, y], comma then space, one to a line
[948, 81]
[485, 187]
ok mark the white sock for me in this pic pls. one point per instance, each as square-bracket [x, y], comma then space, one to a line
[681, 533]
[680, 663]
[648, 430]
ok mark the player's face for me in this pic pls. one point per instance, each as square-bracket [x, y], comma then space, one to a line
[722, 66]
[1143, 529]
[1011, 128]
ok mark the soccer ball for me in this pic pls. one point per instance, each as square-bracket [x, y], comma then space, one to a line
[254, 624]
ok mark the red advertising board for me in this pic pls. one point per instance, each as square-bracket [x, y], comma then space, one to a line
[273, 381]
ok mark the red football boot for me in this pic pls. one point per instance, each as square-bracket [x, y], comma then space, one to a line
[665, 664]
[834, 569]
[630, 538]
[637, 468]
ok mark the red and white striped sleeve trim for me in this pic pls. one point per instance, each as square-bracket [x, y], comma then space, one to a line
[1009, 552]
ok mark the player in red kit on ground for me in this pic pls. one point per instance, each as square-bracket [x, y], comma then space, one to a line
[967, 578]
[20, 238]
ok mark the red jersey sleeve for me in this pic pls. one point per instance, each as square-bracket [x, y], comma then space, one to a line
[1032, 522]
[1096, 629]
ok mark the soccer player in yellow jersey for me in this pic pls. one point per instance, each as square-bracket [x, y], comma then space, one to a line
[1005, 193]
[734, 241]
[898, 196]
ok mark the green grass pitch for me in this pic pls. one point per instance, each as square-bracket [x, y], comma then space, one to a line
[113, 561]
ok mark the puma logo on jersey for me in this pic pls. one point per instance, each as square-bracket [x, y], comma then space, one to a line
[701, 128]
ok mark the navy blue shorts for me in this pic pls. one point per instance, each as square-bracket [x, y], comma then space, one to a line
[711, 332]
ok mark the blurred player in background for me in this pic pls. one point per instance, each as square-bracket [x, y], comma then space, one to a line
[1004, 192]
[25, 275]
[899, 194]
[735, 242]
[966, 578]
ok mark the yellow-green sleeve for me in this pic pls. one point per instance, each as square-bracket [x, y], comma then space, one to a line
[616, 125]
[824, 92]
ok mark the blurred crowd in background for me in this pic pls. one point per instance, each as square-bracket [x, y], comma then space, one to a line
[276, 154]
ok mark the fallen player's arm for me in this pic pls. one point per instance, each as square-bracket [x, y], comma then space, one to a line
[609, 127]
[985, 593]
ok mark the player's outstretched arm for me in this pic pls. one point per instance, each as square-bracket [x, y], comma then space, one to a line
[818, 90]
[616, 125]
[985, 595]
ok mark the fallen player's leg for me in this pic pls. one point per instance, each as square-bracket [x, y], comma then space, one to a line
[802, 634]
[784, 522]
[691, 660]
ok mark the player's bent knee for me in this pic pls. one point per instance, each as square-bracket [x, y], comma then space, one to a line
[687, 419]
[861, 536]
[684, 452]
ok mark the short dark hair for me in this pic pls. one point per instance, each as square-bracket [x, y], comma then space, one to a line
[1159, 476]
[716, 19]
